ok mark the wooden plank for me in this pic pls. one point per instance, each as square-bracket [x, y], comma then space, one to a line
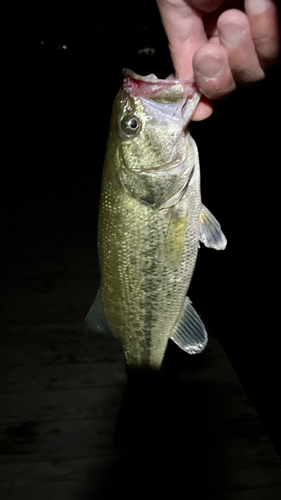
[63, 332]
[37, 472]
[46, 491]
[48, 292]
[22, 315]
[54, 441]
[75, 350]
[64, 476]
[60, 376]
[49, 405]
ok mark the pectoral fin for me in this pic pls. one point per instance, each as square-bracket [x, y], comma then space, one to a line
[210, 231]
[190, 334]
[175, 239]
[95, 321]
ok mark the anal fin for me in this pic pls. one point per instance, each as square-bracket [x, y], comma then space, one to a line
[95, 320]
[190, 334]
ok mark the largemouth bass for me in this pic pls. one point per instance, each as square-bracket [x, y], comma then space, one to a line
[151, 220]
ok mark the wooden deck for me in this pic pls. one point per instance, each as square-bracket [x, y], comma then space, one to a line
[61, 393]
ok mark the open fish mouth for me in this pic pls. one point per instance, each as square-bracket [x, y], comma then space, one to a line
[152, 78]
[170, 89]
[183, 93]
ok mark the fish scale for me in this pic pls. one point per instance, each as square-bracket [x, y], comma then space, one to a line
[145, 289]
[150, 221]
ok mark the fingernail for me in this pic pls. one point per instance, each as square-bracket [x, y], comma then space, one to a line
[256, 6]
[209, 67]
[231, 34]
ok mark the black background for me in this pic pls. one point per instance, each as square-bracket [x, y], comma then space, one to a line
[56, 111]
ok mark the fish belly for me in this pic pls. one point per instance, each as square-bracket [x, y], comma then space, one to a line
[142, 293]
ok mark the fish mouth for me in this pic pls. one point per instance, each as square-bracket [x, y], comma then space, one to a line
[170, 90]
[183, 93]
[128, 73]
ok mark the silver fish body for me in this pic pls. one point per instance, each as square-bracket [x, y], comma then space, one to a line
[151, 221]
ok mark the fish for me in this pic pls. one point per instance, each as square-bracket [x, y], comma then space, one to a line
[151, 222]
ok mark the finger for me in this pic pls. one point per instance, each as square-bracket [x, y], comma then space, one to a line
[264, 24]
[185, 32]
[235, 36]
[206, 5]
[212, 72]
[203, 110]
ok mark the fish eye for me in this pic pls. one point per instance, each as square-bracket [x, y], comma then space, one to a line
[133, 123]
[130, 125]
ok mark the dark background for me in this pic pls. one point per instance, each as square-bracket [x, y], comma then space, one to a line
[56, 110]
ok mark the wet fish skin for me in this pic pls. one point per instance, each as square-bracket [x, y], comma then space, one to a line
[149, 218]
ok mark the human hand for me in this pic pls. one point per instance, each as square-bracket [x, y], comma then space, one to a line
[219, 45]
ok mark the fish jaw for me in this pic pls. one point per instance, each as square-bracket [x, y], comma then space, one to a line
[184, 94]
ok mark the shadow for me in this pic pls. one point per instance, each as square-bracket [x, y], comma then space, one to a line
[164, 441]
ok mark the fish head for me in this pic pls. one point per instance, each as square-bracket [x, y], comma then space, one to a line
[151, 116]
